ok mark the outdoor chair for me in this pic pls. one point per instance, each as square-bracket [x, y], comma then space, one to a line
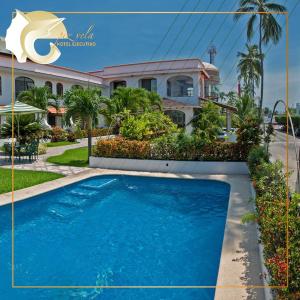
[32, 151]
[7, 151]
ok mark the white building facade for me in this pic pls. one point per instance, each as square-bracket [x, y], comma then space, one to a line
[181, 83]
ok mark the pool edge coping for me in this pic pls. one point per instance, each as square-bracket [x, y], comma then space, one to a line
[29, 192]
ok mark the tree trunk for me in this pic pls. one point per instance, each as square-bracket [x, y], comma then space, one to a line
[89, 130]
[262, 68]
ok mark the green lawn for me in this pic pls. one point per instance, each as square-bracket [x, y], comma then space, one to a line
[58, 144]
[74, 157]
[23, 179]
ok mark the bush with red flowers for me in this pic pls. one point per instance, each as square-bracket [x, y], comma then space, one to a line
[274, 213]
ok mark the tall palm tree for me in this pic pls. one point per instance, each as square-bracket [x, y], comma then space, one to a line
[269, 29]
[39, 97]
[83, 105]
[249, 68]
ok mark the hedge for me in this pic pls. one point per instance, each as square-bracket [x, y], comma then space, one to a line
[79, 134]
[122, 148]
[281, 120]
[271, 215]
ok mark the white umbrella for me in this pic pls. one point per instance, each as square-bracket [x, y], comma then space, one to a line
[18, 109]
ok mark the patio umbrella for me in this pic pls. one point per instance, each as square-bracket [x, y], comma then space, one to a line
[19, 109]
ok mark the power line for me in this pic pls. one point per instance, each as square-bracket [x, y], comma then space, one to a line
[168, 30]
[193, 30]
[207, 27]
[182, 29]
[218, 30]
[178, 34]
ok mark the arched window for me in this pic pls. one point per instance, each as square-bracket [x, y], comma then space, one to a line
[59, 89]
[23, 84]
[180, 86]
[118, 83]
[77, 86]
[177, 116]
[149, 84]
[48, 84]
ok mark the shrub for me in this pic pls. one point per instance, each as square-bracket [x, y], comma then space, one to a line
[281, 120]
[147, 126]
[166, 147]
[249, 134]
[272, 219]
[58, 134]
[28, 128]
[121, 148]
[79, 134]
[71, 137]
[82, 133]
[208, 123]
[42, 149]
[256, 157]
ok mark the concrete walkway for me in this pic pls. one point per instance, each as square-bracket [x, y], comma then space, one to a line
[42, 165]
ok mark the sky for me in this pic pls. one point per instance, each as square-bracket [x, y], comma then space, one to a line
[122, 39]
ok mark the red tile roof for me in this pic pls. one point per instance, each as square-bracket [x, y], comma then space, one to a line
[61, 110]
[174, 103]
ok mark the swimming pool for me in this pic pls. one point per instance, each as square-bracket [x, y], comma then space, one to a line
[116, 231]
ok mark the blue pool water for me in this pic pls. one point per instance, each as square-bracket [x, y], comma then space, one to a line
[116, 230]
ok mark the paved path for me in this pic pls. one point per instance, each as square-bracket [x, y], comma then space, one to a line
[278, 151]
[42, 165]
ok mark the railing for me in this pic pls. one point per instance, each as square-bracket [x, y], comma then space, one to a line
[297, 187]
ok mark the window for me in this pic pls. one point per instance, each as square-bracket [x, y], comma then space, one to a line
[177, 116]
[149, 84]
[117, 84]
[59, 89]
[23, 84]
[180, 86]
[51, 119]
[77, 86]
[0, 86]
[48, 84]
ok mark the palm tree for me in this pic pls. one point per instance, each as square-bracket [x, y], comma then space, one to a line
[249, 68]
[39, 97]
[83, 105]
[269, 29]
[128, 100]
[246, 108]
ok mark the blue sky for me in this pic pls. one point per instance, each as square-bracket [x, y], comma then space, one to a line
[132, 38]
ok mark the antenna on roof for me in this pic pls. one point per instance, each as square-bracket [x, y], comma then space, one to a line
[212, 51]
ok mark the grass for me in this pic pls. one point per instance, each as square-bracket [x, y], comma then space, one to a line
[74, 157]
[62, 143]
[23, 179]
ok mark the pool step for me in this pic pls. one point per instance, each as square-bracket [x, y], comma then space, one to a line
[97, 187]
[61, 212]
[73, 202]
[81, 194]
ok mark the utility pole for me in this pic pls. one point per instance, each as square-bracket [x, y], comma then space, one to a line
[212, 51]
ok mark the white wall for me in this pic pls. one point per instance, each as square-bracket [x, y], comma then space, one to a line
[39, 80]
[133, 81]
[170, 166]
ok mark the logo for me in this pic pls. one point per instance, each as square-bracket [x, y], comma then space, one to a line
[26, 28]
